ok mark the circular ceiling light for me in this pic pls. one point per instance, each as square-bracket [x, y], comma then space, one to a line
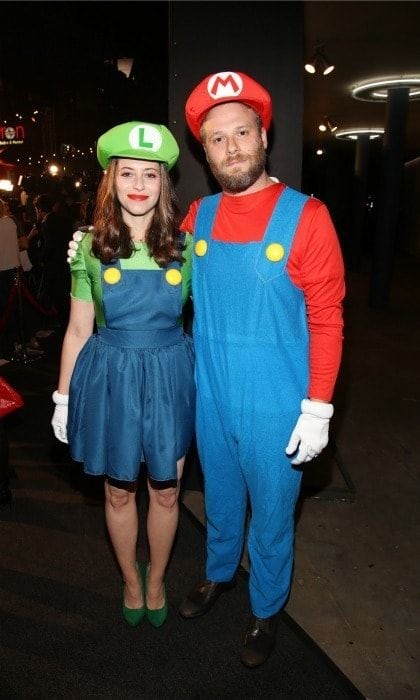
[376, 90]
[353, 134]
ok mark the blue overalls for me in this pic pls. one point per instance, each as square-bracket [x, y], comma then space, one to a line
[251, 345]
[132, 395]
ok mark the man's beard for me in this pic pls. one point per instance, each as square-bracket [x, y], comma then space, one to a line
[233, 183]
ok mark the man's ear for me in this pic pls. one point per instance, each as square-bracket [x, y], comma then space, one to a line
[264, 137]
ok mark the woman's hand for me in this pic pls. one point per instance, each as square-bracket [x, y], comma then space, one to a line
[59, 419]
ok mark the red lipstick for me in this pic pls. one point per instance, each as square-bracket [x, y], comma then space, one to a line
[138, 197]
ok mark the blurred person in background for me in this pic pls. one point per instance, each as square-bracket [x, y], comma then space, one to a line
[9, 264]
[52, 235]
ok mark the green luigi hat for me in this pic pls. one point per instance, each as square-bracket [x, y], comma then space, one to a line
[140, 140]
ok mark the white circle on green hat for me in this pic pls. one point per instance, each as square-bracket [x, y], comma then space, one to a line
[145, 137]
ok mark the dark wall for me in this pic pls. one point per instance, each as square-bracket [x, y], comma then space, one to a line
[263, 39]
[409, 240]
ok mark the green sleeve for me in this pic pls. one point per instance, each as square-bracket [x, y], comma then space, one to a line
[86, 277]
[187, 268]
[81, 284]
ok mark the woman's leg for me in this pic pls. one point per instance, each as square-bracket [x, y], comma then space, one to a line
[122, 522]
[162, 522]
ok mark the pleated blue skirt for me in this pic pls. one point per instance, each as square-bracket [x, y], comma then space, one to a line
[131, 405]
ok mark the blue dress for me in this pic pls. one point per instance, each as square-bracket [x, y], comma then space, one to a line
[132, 396]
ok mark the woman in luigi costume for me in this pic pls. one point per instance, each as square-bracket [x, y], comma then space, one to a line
[126, 391]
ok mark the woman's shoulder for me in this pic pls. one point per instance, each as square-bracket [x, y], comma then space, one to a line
[86, 242]
[188, 242]
[84, 258]
[185, 239]
[188, 249]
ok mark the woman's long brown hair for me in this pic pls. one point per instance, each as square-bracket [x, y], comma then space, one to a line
[111, 237]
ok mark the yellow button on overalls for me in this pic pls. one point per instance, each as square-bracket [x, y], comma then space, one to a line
[201, 248]
[274, 252]
[173, 276]
[112, 275]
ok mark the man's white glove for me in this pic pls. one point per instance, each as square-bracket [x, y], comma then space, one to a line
[59, 419]
[310, 434]
[74, 244]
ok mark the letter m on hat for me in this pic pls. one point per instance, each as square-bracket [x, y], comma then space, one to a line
[224, 85]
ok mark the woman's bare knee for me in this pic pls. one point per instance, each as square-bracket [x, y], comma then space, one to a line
[166, 498]
[117, 498]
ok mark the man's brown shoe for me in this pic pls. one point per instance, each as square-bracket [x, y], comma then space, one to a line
[203, 597]
[259, 641]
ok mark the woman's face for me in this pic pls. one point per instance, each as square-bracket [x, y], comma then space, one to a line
[137, 184]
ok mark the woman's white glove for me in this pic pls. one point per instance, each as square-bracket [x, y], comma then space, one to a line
[59, 419]
[74, 244]
[310, 434]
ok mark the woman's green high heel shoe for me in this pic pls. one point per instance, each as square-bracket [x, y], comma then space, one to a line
[133, 616]
[155, 617]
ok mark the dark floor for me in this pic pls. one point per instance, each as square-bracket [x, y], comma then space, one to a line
[356, 581]
[356, 586]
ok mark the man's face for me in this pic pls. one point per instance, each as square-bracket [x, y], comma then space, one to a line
[234, 146]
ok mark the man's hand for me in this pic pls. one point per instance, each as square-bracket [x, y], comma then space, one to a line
[74, 244]
[59, 419]
[310, 434]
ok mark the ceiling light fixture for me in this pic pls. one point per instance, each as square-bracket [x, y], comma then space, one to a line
[353, 134]
[328, 123]
[377, 90]
[319, 62]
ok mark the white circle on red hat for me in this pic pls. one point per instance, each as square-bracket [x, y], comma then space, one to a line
[222, 85]
[145, 137]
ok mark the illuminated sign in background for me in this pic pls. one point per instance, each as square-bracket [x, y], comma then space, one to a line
[12, 135]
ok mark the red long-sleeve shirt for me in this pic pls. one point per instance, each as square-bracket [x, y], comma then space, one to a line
[315, 265]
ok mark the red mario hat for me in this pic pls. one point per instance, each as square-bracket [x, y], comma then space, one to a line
[226, 87]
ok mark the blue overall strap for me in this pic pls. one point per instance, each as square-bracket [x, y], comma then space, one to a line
[280, 230]
[203, 228]
[206, 215]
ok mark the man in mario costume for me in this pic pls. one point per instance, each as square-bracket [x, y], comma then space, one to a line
[268, 285]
